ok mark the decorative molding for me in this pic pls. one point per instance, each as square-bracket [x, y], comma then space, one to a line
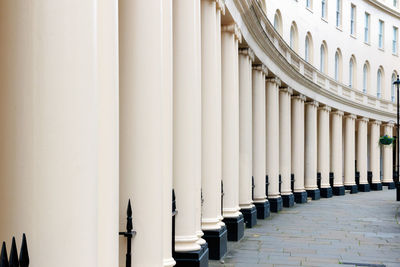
[286, 90]
[247, 52]
[325, 108]
[338, 113]
[274, 80]
[262, 68]
[299, 97]
[221, 6]
[363, 119]
[312, 103]
[233, 29]
[388, 124]
[376, 122]
[350, 116]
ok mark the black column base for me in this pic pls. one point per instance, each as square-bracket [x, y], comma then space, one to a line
[353, 188]
[288, 200]
[263, 210]
[326, 192]
[300, 197]
[376, 186]
[250, 216]
[198, 258]
[276, 204]
[314, 194]
[338, 190]
[390, 185]
[217, 242]
[364, 188]
[235, 227]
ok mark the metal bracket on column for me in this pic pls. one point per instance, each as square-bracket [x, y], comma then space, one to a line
[266, 186]
[222, 198]
[174, 213]
[129, 234]
[252, 187]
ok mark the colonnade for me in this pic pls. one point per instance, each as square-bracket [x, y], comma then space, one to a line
[117, 110]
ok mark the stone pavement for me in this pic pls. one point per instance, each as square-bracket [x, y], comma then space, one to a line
[352, 230]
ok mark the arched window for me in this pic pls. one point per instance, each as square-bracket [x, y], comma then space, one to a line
[308, 52]
[379, 83]
[338, 65]
[278, 22]
[323, 57]
[294, 37]
[352, 72]
[393, 86]
[365, 77]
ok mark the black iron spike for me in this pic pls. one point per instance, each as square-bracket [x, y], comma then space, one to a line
[24, 255]
[129, 224]
[14, 254]
[3, 256]
[129, 234]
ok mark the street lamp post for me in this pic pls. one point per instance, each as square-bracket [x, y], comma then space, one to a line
[397, 83]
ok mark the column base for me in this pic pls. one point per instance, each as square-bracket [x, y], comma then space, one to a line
[250, 216]
[364, 188]
[263, 210]
[235, 227]
[338, 190]
[217, 241]
[314, 194]
[326, 192]
[288, 200]
[300, 197]
[353, 188]
[376, 186]
[198, 258]
[276, 204]
[390, 185]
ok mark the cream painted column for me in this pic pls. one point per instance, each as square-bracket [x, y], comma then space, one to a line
[362, 154]
[230, 130]
[259, 152]
[310, 150]
[375, 155]
[285, 94]
[387, 158]
[52, 111]
[349, 153]
[336, 152]
[297, 130]
[214, 229]
[323, 150]
[187, 129]
[146, 144]
[246, 57]
[272, 142]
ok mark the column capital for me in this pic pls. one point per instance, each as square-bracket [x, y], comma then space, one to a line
[275, 80]
[286, 90]
[220, 6]
[299, 97]
[350, 116]
[233, 29]
[312, 103]
[375, 122]
[338, 112]
[247, 51]
[364, 119]
[261, 67]
[325, 108]
[389, 124]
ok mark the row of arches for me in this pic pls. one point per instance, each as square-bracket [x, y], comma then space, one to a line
[338, 68]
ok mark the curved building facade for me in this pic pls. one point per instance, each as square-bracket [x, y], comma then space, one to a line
[206, 115]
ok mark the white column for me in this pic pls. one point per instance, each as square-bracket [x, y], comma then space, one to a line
[187, 123]
[336, 151]
[285, 94]
[297, 130]
[310, 149]
[50, 102]
[272, 142]
[387, 156]
[323, 150]
[246, 57]
[259, 153]
[374, 155]
[230, 120]
[211, 119]
[146, 144]
[349, 152]
[362, 150]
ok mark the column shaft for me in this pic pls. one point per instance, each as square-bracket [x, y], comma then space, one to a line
[336, 151]
[362, 145]
[310, 151]
[187, 123]
[374, 160]
[323, 151]
[387, 157]
[349, 153]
